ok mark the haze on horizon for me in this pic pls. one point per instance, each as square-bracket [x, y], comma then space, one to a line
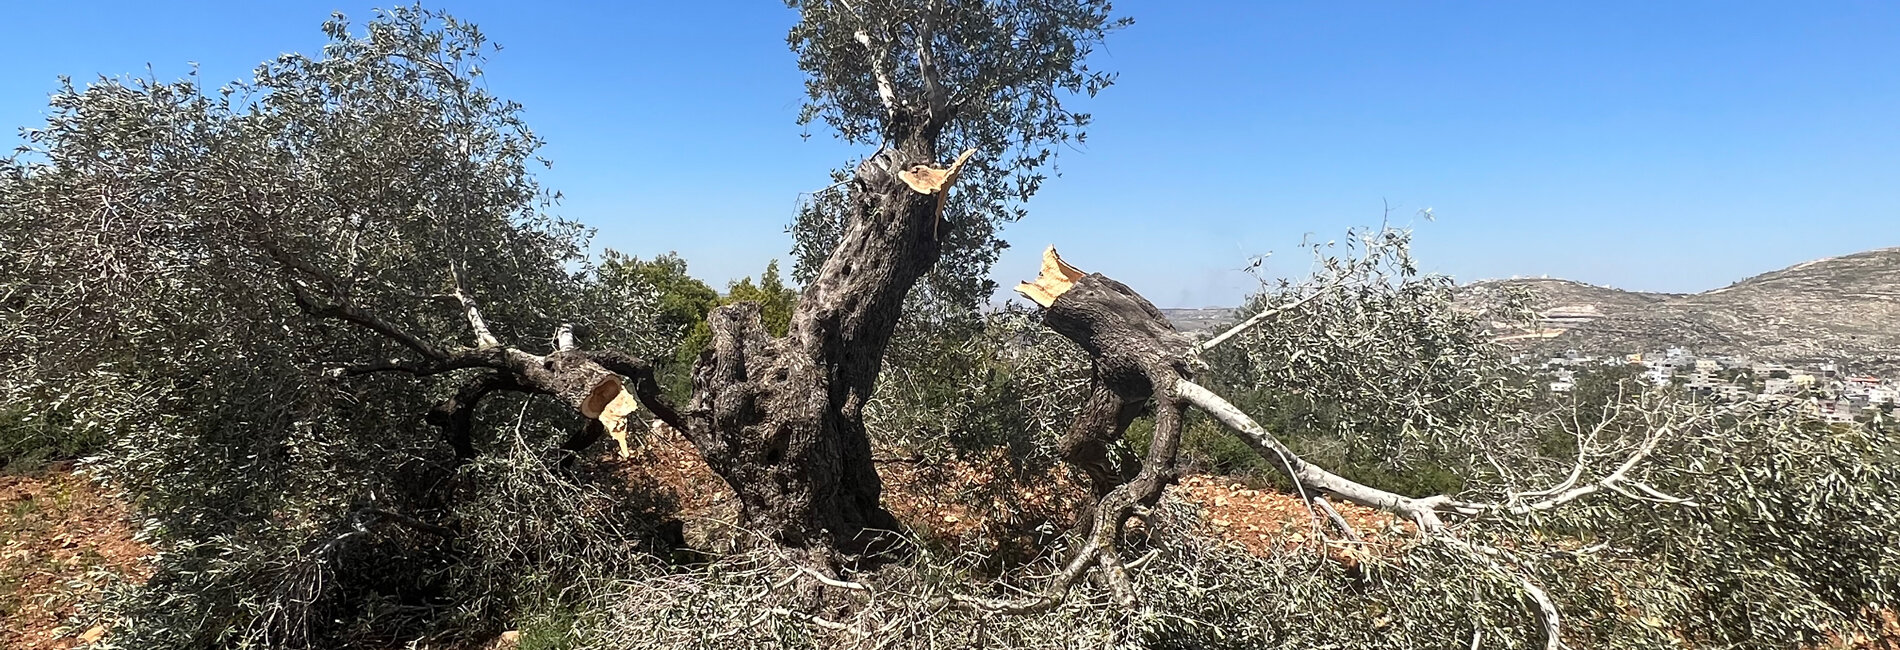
[1671, 147]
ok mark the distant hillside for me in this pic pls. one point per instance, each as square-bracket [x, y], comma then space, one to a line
[1836, 309]
[1199, 320]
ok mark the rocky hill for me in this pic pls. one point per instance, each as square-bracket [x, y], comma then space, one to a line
[1844, 309]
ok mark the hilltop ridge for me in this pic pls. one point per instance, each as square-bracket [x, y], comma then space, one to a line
[1842, 309]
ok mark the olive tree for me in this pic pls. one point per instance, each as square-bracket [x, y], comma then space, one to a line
[782, 418]
[1617, 514]
[994, 77]
[361, 225]
[287, 300]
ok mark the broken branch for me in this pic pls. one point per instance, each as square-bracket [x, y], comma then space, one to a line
[1056, 278]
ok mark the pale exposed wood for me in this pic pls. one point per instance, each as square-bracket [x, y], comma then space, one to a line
[930, 179]
[614, 406]
[927, 179]
[1055, 279]
[618, 418]
[603, 394]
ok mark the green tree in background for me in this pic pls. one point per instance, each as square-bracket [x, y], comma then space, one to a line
[774, 298]
[683, 299]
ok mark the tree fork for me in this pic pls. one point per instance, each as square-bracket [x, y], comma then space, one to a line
[781, 420]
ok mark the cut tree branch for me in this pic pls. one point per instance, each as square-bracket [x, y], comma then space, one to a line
[1138, 356]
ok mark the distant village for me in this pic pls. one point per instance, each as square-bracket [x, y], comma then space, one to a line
[1822, 389]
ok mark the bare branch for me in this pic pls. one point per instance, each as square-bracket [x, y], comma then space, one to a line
[1345, 527]
[1616, 481]
[1263, 316]
[936, 100]
[832, 582]
[483, 337]
[343, 310]
[1424, 512]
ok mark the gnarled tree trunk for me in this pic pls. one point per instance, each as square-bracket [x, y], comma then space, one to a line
[782, 419]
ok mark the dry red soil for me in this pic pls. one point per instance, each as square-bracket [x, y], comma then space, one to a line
[976, 505]
[58, 527]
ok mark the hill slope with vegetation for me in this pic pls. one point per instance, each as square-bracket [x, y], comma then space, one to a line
[1841, 309]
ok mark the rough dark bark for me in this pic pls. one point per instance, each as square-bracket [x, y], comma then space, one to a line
[1134, 348]
[1135, 351]
[1103, 419]
[590, 432]
[456, 415]
[782, 419]
[1137, 355]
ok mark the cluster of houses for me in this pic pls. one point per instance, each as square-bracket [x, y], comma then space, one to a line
[1822, 389]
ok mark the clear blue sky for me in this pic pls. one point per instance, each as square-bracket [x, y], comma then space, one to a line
[1669, 146]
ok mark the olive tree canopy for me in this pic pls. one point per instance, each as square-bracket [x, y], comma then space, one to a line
[997, 77]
